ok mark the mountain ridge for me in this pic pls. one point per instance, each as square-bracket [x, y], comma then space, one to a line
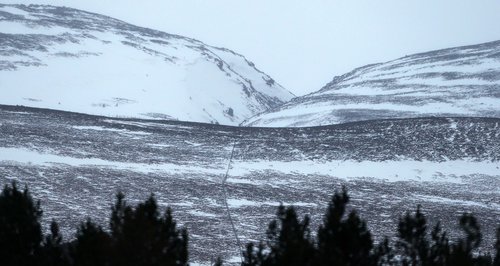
[458, 81]
[119, 69]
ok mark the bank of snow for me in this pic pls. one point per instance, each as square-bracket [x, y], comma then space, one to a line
[67, 59]
[391, 171]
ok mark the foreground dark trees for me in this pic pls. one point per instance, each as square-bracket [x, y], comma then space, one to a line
[20, 231]
[344, 239]
[137, 236]
[140, 235]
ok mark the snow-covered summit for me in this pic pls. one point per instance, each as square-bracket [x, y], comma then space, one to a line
[68, 59]
[461, 81]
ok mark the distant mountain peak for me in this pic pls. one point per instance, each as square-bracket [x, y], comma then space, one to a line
[460, 81]
[68, 59]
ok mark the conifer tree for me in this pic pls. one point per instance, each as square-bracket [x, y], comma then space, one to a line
[383, 254]
[462, 251]
[440, 248]
[250, 256]
[254, 255]
[20, 230]
[118, 215]
[413, 240]
[52, 253]
[142, 237]
[343, 241]
[92, 246]
[288, 242]
[496, 261]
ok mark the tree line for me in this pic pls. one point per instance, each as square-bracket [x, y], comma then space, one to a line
[141, 235]
[344, 239]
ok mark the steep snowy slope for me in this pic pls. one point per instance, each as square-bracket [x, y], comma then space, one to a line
[462, 81]
[67, 59]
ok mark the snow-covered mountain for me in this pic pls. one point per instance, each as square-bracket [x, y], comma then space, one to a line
[68, 59]
[462, 81]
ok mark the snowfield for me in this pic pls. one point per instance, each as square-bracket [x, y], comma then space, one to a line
[462, 81]
[67, 59]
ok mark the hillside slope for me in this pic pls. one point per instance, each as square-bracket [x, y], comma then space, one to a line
[462, 81]
[67, 59]
[75, 164]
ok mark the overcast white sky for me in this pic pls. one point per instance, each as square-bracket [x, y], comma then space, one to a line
[304, 44]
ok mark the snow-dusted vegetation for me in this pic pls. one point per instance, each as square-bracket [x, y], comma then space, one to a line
[76, 163]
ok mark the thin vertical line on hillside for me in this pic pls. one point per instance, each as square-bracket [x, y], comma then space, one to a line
[240, 250]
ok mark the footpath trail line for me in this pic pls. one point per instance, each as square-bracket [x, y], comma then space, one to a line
[224, 190]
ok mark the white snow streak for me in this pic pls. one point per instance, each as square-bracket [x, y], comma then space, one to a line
[391, 171]
[24, 156]
[453, 171]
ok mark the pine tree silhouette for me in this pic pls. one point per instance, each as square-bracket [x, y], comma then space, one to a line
[462, 251]
[142, 237]
[496, 261]
[440, 249]
[413, 240]
[20, 231]
[383, 254]
[343, 241]
[92, 246]
[288, 242]
[52, 253]
[416, 250]
[254, 256]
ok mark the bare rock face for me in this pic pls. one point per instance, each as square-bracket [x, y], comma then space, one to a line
[68, 59]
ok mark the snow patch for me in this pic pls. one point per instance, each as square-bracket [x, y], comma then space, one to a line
[390, 171]
[25, 156]
[448, 201]
[238, 203]
[111, 129]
